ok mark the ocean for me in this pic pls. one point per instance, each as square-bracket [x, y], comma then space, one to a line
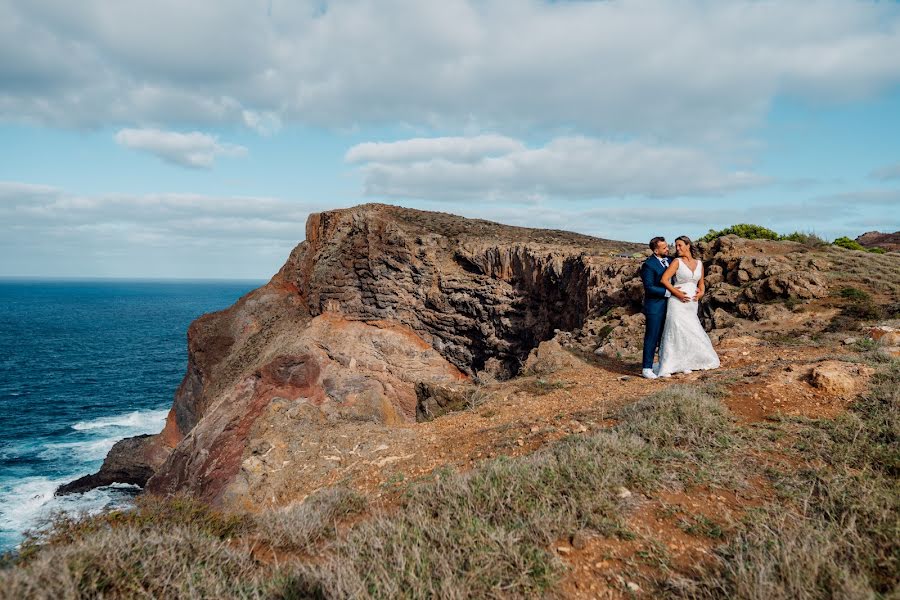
[82, 365]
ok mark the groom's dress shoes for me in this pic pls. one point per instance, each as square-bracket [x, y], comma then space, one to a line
[648, 374]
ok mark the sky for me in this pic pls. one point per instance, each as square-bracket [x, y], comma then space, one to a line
[192, 139]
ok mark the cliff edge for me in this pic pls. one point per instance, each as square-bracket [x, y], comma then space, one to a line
[385, 314]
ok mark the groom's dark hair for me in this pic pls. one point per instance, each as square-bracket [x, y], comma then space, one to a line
[655, 242]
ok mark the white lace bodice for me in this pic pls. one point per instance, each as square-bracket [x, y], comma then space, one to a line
[683, 275]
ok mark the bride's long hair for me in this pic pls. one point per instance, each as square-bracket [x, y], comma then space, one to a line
[687, 241]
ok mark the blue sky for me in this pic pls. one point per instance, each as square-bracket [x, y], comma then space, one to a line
[154, 140]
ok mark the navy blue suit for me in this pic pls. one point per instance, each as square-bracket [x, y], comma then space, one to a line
[655, 303]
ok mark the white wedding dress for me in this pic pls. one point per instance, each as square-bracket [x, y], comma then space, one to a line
[685, 345]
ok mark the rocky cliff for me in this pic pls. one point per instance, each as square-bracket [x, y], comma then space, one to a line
[875, 239]
[382, 305]
[376, 300]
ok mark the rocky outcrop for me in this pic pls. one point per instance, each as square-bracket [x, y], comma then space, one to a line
[386, 315]
[340, 370]
[840, 378]
[744, 278]
[375, 301]
[132, 460]
[875, 239]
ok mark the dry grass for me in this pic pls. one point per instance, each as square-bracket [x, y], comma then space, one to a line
[128, 562]
[836, 531]
[148, 514]
[831, 532]
[305, 525]
[880, 272]
[486, 533]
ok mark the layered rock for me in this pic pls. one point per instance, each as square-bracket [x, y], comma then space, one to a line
[376, 300]
[385, 314]
[746, 281]
[743, 275]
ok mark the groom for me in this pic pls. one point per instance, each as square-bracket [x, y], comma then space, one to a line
[655, 301]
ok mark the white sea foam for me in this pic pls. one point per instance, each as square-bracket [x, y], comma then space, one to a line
[83, 451]
[148, 421]
[97, 436]
[26, 503]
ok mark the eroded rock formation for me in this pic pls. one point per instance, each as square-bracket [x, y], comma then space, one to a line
[385, 312]
[376, 300]
[131, 460]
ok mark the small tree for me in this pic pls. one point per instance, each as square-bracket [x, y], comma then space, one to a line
[744, 230]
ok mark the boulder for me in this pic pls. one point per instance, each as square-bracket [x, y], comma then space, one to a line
[722, 319]
[550, 357]
[437, 399]
[885, 335]
[840, 378]
[131, 460]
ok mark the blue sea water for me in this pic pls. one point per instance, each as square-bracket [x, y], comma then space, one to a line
[82, 365]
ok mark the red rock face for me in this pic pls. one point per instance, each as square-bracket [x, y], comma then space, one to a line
[875, 239]
[286, 376]
[378, 299]
[345, 370]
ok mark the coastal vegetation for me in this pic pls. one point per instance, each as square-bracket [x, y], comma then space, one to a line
[758, 232]
[829, 527]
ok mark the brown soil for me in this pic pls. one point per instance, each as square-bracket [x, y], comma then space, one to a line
[513, 418]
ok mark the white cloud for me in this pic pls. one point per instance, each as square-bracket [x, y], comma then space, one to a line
[877, 197]
[684, 70]
[500, 168]
[828, 216]
[194, 150]
[51, 231]
[14, 191]
[264, 123]
[887, 172]
[457, 149]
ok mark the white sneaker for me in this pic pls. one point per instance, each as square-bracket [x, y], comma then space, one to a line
[648, 374]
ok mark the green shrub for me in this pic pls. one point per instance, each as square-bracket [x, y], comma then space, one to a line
[810, 240]
[744, 230]
[877, 250]
[852, 293]
[845, 242]
[861, 306]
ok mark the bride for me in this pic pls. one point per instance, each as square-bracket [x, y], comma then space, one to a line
[685, 346]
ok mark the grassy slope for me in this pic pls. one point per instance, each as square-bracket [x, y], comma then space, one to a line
[831, 529]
